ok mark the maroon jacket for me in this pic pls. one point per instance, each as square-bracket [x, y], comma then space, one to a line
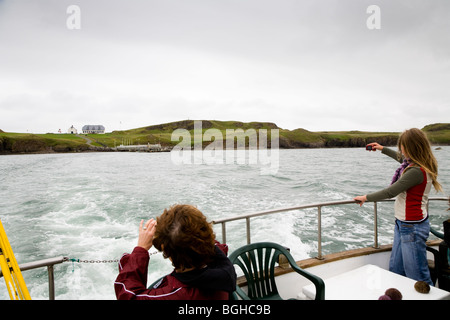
[214, 282]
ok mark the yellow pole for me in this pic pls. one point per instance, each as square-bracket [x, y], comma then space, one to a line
[8, 279]
[14, 279]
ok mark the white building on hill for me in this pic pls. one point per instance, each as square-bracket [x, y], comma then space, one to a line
[72, 130]
[93, 129]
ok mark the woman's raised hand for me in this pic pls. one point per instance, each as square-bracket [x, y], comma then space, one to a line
[146, 234]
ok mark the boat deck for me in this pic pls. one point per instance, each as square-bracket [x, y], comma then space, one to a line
[345, 277]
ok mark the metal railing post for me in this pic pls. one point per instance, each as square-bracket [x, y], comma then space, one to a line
[319, 231]
[51, 283]
[247, 226]
[375, 226]
[224, 233]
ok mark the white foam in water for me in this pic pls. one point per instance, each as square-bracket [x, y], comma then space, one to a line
[88, 207]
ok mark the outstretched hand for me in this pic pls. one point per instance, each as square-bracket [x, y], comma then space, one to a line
[146, 234]
[375, 146]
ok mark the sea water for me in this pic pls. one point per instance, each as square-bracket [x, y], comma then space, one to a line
[88, 206]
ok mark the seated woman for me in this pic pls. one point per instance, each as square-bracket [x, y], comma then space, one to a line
[202, 269]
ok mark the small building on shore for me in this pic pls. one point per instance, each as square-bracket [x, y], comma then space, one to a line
[89, 128]
[72, 130]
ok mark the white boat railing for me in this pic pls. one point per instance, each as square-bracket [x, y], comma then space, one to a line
[319, 207]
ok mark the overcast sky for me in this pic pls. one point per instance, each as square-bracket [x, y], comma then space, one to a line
[300, 64]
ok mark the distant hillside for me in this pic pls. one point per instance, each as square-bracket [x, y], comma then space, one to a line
[437, 127]
[438, 134]
[207, 124]
[40, 143]
[298, 138]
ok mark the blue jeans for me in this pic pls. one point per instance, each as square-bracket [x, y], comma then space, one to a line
[409, 254]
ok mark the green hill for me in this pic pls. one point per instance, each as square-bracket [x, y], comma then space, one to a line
[162, 133]
[439, 134]
[40, 143]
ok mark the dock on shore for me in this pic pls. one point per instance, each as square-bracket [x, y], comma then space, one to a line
[140, 148]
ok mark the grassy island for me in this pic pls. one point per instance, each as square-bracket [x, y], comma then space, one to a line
[16, 143]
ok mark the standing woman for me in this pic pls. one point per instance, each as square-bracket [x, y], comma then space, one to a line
[411, 185]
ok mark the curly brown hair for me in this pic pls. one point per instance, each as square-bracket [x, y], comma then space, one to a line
[184, 236]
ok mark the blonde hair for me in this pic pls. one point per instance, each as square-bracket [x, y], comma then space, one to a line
[416, 145]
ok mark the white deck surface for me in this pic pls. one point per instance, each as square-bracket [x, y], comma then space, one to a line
[369, 282]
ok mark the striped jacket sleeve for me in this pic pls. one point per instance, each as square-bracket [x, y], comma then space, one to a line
[132, 278]
[131, 283]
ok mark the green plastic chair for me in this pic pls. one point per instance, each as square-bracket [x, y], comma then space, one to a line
[439, 268]
[257, 261]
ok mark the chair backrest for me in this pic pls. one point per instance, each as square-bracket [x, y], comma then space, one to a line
[257, 262]
[446, 237]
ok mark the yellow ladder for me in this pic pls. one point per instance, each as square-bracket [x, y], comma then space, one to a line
[11, 272]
